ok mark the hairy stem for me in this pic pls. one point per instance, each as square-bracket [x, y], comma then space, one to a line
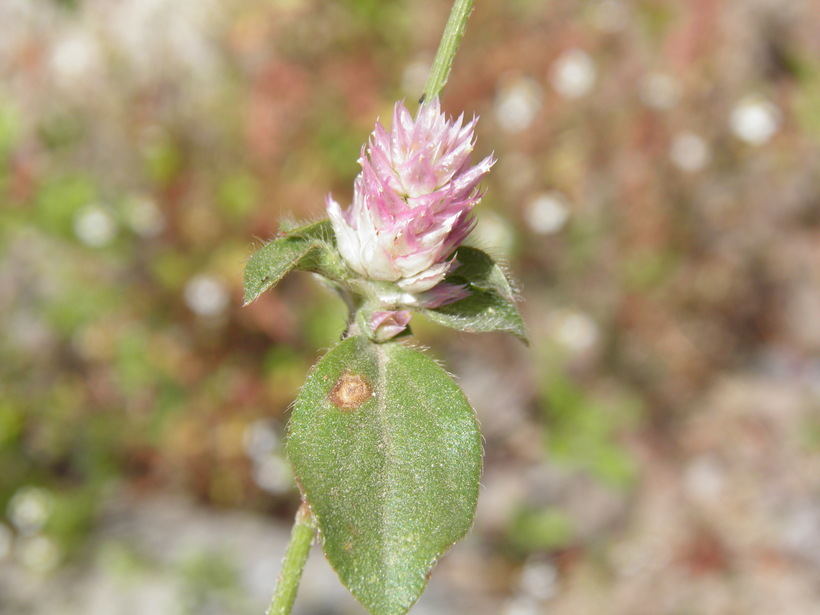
[294, 562]
[450, 40]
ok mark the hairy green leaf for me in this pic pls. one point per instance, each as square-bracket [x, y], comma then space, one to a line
[386, 449]
[309, 248]
[481, 271]
[491, 304]
[482, 311]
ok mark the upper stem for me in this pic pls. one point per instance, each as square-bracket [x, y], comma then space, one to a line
[450, 40]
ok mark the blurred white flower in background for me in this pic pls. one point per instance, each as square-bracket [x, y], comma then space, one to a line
[573, 74]
[75, 56]
[575, 331]
[517, 104]
[206, 296]
[273, 474]
[538, 578]
[704, 479]
[659, 91]
[144, 217]
[263, 446]
[39, 554]
[94, 226]
[29, 509]
[548, 213]
[261, 439]
[689, 152]
[754, 120]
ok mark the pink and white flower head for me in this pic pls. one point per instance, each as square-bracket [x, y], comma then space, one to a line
[412, 203]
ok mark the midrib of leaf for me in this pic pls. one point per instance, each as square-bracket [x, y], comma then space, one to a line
[387, 503]
[391, 508]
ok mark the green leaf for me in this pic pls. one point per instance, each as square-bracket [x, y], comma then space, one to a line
[387, 451]
[482, 272]
[309, 248]
[481, 312]
[491, 304]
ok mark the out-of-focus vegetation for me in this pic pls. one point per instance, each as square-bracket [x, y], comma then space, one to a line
[657, 193]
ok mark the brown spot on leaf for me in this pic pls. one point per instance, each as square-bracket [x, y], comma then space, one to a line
[350, 391]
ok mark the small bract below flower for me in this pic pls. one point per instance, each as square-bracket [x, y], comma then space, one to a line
[412, 204]
[387, 325]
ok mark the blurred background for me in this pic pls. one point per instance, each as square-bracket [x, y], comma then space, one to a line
[656, 450]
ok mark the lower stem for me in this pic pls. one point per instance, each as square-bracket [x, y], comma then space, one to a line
[300, 539]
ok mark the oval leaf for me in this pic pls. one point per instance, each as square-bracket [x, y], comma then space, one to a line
[483, 272]
[387, 451]
[481, 312]
[310, 248]
[491, 303]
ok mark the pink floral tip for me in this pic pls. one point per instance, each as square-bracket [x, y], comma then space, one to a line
[442, 294]
[413, 201]
[387, 325]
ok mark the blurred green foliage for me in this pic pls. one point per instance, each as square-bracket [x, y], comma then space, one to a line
[583, 427]
[211, 584]
[540, 529]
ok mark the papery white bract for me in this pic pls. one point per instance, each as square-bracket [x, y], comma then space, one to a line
[412, 202]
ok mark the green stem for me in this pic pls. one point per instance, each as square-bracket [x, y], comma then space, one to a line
[450, 40]
[294, 563]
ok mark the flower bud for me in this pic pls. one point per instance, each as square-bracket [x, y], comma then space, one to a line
[386, 325]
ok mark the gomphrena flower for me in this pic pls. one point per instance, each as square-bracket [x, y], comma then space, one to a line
[412, 204]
